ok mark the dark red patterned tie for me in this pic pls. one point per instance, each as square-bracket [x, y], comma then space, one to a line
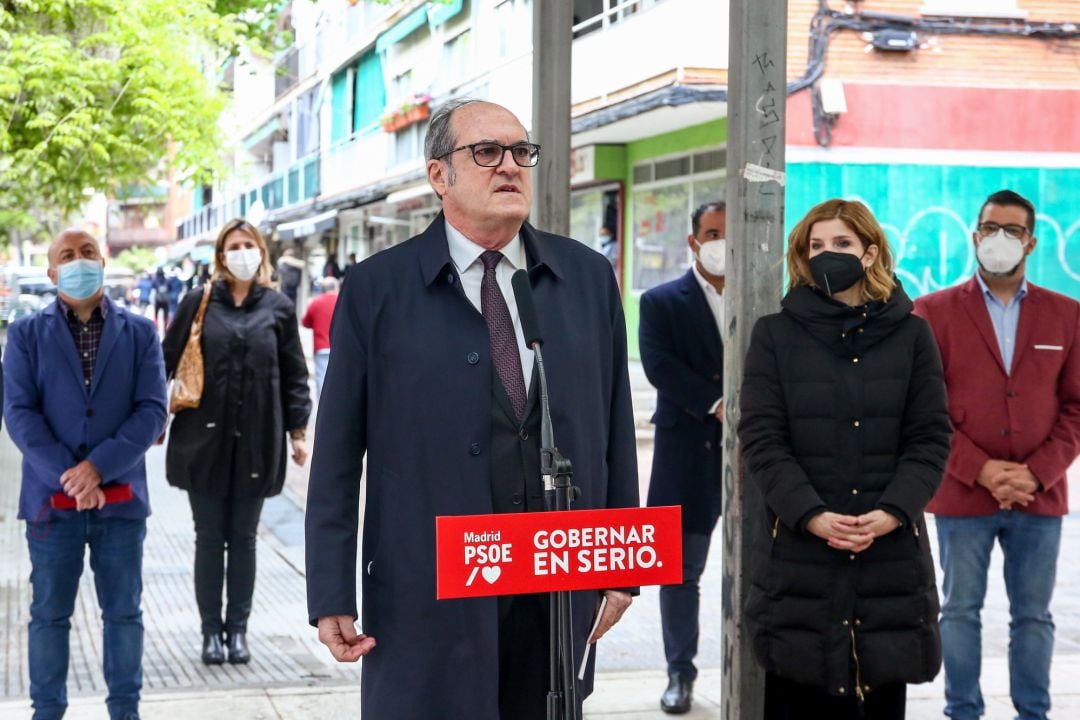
[504, 346]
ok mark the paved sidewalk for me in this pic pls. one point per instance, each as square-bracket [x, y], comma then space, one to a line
[293, 678]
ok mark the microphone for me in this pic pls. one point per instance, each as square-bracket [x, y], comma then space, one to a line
[530, 322]
[530, 328]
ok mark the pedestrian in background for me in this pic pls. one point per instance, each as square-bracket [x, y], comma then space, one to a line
[1011, 352]
[682, 352]
[229, 453]
[331, 269]
[161, 300]
[84, 398]
[290, 271]
[845, 431]
[320, 311]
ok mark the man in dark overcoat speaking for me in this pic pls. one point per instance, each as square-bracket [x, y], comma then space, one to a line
[431, 380]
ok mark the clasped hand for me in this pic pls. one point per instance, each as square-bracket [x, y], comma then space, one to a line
[1010, 483]
[83, 482]
[853, 533]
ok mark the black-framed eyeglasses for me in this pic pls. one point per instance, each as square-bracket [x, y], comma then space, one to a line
[489, 154]
[1016, 232]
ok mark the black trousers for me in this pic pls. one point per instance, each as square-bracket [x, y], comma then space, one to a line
[787, 700]
[224, 526]
[523, 657]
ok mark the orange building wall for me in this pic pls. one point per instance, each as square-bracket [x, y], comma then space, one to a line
[950, 60]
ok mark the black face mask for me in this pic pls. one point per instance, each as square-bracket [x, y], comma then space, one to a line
[835, 272]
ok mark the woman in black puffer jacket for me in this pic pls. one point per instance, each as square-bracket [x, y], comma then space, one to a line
[845, 431]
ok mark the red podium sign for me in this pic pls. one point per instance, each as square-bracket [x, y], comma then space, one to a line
[514, 553]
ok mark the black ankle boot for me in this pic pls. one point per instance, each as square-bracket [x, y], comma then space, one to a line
[238, 649]
[212, 651]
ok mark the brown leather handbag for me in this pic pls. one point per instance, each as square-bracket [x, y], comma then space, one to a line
[187, 384]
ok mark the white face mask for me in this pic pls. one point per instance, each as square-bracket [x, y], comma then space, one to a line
[243, 263]
[999, 254]
[713, 256]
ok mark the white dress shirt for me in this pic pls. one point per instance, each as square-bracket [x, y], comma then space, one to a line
[466, 256]
[716, 304]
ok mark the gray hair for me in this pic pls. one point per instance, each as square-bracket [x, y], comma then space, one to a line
[439, 140]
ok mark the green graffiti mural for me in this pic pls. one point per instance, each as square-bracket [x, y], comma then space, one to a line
[929, 212]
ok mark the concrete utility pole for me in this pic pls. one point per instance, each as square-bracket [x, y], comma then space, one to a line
[552, 38]
[755, 227]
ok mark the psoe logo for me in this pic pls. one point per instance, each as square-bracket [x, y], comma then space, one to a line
[486, 553]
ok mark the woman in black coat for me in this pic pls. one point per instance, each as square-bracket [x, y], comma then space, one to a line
[229, 453]
[845, 431]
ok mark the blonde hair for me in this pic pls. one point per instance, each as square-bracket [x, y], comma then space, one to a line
[879, 282]
[221, 270]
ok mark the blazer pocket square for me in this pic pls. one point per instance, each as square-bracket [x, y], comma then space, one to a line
[1049, 347]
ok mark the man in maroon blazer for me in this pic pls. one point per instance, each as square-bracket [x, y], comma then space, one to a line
[1011, 353]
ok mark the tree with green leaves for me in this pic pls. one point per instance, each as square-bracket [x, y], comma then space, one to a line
[95, 94]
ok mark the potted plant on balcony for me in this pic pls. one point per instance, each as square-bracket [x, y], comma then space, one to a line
[417, 108]
[414, 109]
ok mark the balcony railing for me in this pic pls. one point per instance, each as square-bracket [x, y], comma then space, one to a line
[292, 186]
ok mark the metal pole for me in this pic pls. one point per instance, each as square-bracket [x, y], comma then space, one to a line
[552, 21]
[755, 225]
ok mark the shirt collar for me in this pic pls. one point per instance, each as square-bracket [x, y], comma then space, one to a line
[464, 252]
[1020, 292]
[66, 311]
[706, 286]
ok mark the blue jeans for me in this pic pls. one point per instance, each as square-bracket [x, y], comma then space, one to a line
[56, 560]
[679, 608]
[322, 359]
[1030, 546]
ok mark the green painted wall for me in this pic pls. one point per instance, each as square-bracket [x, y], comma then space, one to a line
[609, 162]
[929, 211]
[697, 137]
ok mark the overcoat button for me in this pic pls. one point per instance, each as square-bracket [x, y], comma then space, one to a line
[523, 434]
[474, 449]
[450, 278]
[708, 444]
[516, 498]
[473, 358]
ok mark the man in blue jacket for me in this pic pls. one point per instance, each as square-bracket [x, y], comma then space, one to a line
[84, 398]
[683, 356]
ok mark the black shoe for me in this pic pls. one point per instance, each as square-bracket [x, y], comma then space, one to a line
[238, 649]
[676, 699]
[212, 651]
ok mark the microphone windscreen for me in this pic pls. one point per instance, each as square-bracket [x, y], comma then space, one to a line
[530, 322]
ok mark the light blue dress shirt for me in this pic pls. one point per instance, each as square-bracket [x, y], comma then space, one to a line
[1004, 318]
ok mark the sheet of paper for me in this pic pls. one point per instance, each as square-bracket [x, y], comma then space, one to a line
[588, 642]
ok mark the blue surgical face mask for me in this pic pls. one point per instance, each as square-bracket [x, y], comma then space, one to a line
[80, 279]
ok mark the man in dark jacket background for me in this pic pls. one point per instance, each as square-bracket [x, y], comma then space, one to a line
[682, 352]
[431, 379]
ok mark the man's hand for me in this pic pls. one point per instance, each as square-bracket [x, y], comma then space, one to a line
[80, 480]
[94, 499]
[720, 412]
[842, 532]
[299, 451]
[1018, 487]
[338, 633]
[617, 602]
[998, 477]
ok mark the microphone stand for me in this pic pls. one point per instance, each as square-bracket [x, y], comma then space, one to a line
[557, 472]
